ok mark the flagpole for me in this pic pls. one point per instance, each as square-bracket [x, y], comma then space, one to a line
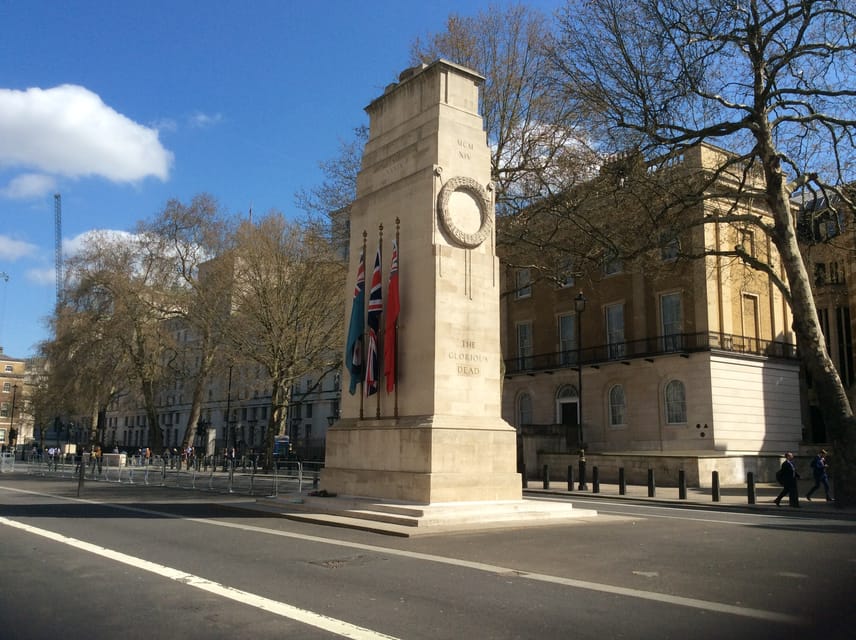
[397, 340]
[379, 367]
[362, 376]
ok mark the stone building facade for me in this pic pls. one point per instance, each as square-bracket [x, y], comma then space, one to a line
[692, 358]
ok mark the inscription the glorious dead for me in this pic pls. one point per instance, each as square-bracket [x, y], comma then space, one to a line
[468, 361]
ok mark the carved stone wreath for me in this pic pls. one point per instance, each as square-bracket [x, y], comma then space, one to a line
[447, 218]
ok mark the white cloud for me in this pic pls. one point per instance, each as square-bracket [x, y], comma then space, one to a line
[166, 124]
[73, 246]
[205, 120]
[11, 249]
[29, 185]
[69, 131]
[44, 276]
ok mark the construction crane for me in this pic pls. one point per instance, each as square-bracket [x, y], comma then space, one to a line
[58, 245]
[5, 278]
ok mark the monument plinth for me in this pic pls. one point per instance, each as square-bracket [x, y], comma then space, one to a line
[440, 436]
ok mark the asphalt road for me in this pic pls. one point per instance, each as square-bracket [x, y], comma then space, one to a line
[142, 562]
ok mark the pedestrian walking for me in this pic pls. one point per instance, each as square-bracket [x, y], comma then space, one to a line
[820, 472]
[787, 477]
[95, 459]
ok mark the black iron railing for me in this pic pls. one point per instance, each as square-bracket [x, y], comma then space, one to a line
[682, 343]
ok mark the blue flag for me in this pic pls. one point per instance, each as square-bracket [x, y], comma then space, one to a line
[354, 350]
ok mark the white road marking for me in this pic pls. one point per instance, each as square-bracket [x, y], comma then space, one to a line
[694, 603]
[339, 627]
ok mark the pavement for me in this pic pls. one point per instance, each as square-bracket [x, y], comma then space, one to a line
[731, 496]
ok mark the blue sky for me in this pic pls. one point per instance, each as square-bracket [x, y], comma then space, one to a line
[121, 105]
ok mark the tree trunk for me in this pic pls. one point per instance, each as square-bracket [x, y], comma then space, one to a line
[832, 397]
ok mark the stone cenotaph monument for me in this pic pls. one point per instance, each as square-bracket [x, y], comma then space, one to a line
[438, 437]
[431, 451]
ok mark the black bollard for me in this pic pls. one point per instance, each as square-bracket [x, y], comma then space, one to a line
[750, 487]
[622, 482]
[595, 479]
[582, 486]
[652, 489]
[546, 476]
[570, 477]
[682, 484]
[523, 476]
[715, 485]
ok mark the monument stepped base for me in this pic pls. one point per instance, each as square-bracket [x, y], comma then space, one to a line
[409, 520]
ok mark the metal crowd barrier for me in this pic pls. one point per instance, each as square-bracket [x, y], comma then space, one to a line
[7, 462]
[238, 477]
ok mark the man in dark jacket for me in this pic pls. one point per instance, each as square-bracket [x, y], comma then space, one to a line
[789, 477]
[819, 468]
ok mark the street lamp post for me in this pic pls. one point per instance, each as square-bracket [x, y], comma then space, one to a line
[580, 307]
[229, 436]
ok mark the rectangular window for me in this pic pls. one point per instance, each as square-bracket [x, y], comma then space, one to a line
[747, 241]
[525, 345]
[669, 248]
[750, 323]
[4, 410]
[845, 344]
[615, 330]
[567, 339]
[836, 275]
[523, 283]
[671, 321]
[819, 274]
[612, 264]
[565, 272]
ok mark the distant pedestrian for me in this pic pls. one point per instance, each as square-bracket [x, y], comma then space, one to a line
[819, 470]
[788, 477]
[95, 459]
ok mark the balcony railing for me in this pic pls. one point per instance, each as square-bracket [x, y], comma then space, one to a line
[680, 343]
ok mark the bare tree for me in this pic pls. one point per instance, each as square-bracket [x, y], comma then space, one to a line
[772, 81]
[185, 241]
[536, 147]
[112, 279]
[338, 189]
[287, 306]
[85, 369]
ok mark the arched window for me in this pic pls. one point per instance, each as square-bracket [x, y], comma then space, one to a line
[676, 403]
[617, 406]
[524, 410]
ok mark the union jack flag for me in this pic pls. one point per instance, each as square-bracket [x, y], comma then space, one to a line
[375, 309]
